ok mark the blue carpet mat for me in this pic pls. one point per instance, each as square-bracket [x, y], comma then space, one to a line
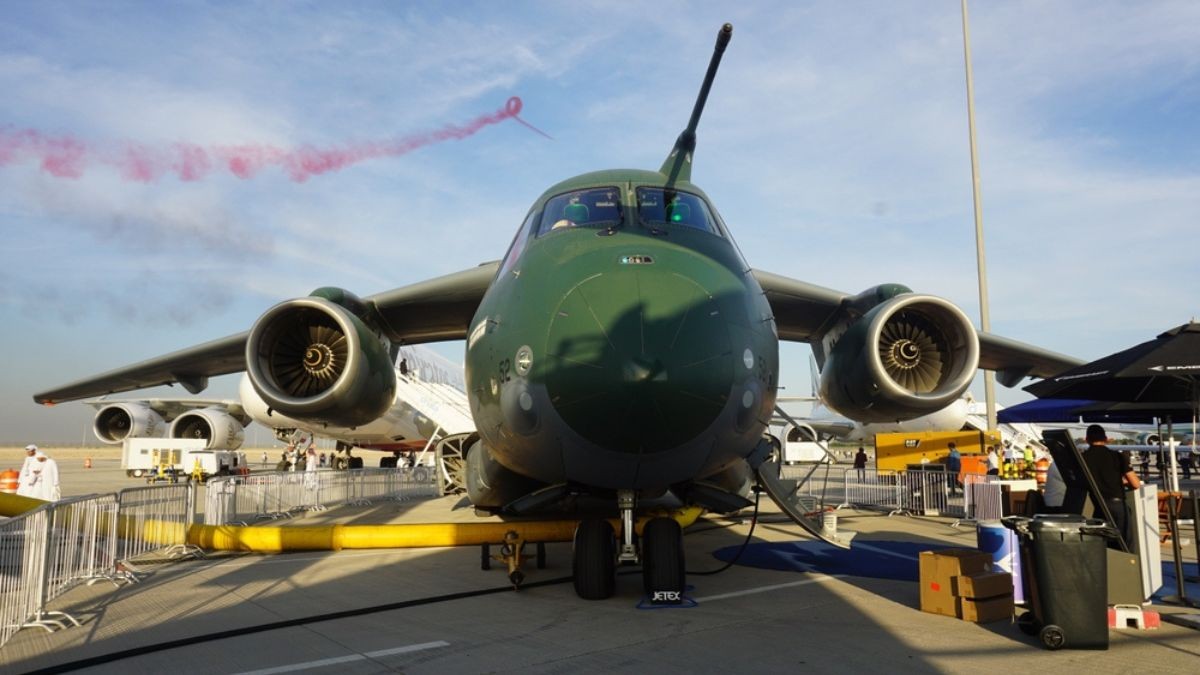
[879, 560]
[1190, 572]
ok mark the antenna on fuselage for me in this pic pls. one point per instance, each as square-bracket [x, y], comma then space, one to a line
[678, 165]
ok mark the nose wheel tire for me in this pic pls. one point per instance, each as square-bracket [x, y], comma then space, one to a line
[662, 561]
[593, 560]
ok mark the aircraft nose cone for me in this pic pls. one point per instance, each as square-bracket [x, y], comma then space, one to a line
[642, 360]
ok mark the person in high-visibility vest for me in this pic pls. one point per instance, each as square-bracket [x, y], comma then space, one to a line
[1028, 456]
[1041, 471]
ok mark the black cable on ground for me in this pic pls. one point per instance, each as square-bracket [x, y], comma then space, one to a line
[737, 556]
[288, 623]
[362, 611]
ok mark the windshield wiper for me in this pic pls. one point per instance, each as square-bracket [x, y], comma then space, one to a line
[654, 229]
[612, 229]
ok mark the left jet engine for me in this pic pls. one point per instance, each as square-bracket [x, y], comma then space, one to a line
[221, 430]
[118, 421]
[315, 359]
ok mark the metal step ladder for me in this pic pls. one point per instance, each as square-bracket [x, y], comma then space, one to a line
[808, 510]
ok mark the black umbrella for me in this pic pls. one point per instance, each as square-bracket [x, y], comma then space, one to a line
[1163, 370]
[1041, 410]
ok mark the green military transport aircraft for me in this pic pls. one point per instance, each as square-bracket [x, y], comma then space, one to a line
[622, 353]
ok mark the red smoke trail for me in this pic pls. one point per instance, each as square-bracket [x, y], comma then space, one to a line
[67, 157]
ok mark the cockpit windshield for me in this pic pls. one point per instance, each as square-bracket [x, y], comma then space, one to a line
[595, 207]
[657, 207]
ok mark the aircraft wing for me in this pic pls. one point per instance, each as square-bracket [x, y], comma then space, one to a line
[190, 367]
[170, 408]
[805, 312]
[830, 428]
[434, 310]
[428, 311]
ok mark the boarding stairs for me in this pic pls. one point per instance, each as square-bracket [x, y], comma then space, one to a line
[447, 409]
[807, 507]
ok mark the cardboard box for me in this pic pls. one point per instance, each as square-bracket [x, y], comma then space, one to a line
[937, 571]
[986, 585]
[985, 610]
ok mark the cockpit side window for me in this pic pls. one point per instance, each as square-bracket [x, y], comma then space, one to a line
[657, 208]
[519, 242]
[594, 207]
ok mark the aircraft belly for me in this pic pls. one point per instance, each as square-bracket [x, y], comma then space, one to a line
[394, 423]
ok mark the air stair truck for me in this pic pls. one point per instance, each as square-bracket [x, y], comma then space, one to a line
[442, 414]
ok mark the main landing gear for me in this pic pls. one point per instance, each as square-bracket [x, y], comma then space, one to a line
[595, 555]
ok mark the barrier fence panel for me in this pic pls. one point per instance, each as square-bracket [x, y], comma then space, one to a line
[232, 499]
[48, 551]
[873, 489]
[82, 543]
[925, 493]
[22, 569]
[155, 519]
[986, 501]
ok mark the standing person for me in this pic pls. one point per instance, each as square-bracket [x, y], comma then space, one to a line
[1028, 457]
[25, 479]
[993, 461]
[954, 468]
[1111, 471]
[860, 463]
[265, 459]
[310, 467]
[45, 479]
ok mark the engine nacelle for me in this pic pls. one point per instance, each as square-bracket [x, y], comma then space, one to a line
[313, 359]
[906, 357]
[221, 430]
[116, 422]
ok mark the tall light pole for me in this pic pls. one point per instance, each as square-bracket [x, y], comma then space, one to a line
[985, 323]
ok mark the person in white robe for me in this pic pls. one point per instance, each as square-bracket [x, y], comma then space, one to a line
[45, 479]
[25, 479]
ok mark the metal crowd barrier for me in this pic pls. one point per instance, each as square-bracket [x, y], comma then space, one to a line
[281, 494]
[155, 520]
[985, 500]
[48, 551]
[926, 493]
[22, 569]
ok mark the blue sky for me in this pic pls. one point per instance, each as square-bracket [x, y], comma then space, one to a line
[834, 145]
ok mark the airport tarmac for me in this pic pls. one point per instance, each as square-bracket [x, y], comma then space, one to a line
[435, 610]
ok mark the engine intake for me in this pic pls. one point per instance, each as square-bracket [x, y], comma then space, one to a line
[221, 430]
[116, 422]
[906, 357]
[312, 359]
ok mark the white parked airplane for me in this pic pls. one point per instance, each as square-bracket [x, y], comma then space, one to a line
[429, 403]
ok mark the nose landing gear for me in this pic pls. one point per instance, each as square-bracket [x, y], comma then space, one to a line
[660, 551]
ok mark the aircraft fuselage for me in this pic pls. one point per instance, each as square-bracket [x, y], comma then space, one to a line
[629, 349]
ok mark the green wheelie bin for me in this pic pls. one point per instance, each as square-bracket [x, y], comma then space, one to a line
[1066, 570]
